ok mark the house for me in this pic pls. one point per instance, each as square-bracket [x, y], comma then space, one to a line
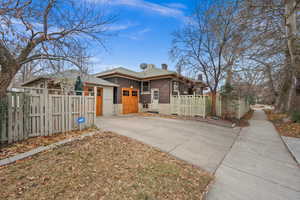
[150, 89]
[65, 81]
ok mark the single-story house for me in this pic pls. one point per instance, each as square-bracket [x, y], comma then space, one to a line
[150, 89]
[65, 80]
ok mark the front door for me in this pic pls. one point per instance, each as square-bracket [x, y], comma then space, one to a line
[99, 102]
[130, 100]
[154, 99]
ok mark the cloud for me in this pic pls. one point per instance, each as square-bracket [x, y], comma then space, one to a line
[165, 10]
[120, 27]
[176, 5]
[138, 35]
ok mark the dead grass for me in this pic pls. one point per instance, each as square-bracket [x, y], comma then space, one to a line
[104, 166]
[284, 128]
[31, 143]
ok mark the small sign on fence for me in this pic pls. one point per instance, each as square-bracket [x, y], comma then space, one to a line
[80, 120]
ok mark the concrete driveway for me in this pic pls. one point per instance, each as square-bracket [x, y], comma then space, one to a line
[198, 143]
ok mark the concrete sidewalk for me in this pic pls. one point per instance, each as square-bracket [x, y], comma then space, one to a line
[258, 167]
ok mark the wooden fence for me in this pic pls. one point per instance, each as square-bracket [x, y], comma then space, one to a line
[200, 105]
[236, 108]
[43, 113]
[191, 105]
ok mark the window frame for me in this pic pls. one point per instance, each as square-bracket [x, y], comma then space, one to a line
[142, 87]
[173, 86]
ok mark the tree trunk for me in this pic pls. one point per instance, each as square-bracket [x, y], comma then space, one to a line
[4, 83]
[271, 84]
[281, 105]
[214, 103]
[294, 53]
[6, 76]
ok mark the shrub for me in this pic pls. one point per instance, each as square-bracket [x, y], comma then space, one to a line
[295, 116]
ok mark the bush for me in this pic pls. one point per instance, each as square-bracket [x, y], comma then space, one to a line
[295, 116]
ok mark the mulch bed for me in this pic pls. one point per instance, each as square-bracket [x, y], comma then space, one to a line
[103, 166]
[288, 129]
[32, 143]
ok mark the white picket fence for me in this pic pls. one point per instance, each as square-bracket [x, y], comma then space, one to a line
[43, 113]
[191, 105]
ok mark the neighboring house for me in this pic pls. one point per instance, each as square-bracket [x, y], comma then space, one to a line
[66, 81]
[150, 89]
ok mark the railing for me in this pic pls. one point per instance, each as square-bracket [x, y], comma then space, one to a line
[42, 112]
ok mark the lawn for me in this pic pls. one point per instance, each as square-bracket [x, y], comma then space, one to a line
[104, 166]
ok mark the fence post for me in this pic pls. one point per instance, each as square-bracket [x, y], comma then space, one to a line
[46, 112]
[10, 130]
[204, 103]
[239, 108]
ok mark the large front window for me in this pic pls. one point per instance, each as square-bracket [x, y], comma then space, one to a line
[145, 86]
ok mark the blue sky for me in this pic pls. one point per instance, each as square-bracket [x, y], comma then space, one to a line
[143, 30]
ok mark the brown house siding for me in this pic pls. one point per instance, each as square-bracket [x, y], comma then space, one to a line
[145, 98]
[164, 86]
[124, 83]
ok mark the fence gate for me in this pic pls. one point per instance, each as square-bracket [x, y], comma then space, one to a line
[17, 118]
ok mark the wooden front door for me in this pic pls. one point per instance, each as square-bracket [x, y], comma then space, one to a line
[99, 102]
[130, 100]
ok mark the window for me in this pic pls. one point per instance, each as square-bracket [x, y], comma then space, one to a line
[134, 93]
[125, 93]
[99, 92]
[175, 86]
[145, 86]
[155, 95]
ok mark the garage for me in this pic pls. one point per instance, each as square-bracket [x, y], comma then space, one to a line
[130, 100]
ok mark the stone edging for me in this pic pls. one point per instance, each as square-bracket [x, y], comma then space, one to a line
[37, 150]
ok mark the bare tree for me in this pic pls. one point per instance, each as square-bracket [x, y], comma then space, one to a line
[277, 46]
[50, 30]
[211, 44]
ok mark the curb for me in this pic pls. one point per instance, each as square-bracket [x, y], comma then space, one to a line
[283, 138]
[37, 150]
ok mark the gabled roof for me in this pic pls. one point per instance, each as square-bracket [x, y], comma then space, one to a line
[72, 75]
[119, 70]
[148, 73]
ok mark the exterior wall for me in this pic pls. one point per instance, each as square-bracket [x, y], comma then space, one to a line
[145, 98]
[108, 106]
[164, 108]
[164, 86]
[124, 83]
[118, 109]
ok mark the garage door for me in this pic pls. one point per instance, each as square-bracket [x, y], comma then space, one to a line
[130, 100]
